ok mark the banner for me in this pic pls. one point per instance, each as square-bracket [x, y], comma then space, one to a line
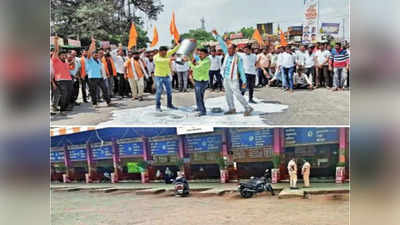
[104, 44]
[60, 41]
[193, 130]
[75, 43]
[310, 25]
[330, 28]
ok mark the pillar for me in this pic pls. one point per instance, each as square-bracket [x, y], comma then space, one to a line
[226, 149]
[182, 154]
[115, 177]
[67, 162]
[340, 168]
[91, 168]
[277, 147]
[146, 157]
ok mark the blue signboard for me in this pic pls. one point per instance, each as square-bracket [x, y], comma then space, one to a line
[164, 147]
[57, 156]
[251, 138]
[296, 136]
[204, 143]
[104, 152]
[77, 154]
[133, 148]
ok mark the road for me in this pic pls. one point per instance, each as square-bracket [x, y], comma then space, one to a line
[124, 208]
[275, 108]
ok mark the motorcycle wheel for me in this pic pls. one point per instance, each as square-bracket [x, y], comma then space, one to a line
[246, 194]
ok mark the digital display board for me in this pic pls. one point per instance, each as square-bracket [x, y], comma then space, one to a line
[251, 138]
[299, 136]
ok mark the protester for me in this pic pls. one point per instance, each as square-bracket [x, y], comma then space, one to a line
[322, 68]
[263, 62]
[232, 70]
[310, 59]
[215, 70]
[119, 61]
[287, 65]
[249, 65]
[339, 62]
[174, 74]
[301, 81]
[161, 74]
[150, 69]
[136, 73]
[83, 78]
[74, 68]
[62, 78]
[182, 71]
[201, 78]
[96, 80]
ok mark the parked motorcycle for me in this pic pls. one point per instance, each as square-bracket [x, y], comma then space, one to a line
[181, 187]
[256, 185]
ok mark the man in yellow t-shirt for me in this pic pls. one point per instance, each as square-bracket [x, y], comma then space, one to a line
[161, 75]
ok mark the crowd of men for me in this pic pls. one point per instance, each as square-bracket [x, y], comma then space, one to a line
[110, 74]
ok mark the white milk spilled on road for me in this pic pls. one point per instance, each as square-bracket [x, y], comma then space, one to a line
[185, 115]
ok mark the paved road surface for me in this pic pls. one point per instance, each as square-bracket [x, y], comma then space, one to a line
[304, 107]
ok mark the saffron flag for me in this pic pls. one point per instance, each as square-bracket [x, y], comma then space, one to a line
[257, 37]
[155, 37]
[173, 30]
[132, 36]
[283, 39]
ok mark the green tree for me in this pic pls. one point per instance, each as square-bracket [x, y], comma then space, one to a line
[198, 34]
[247, 32]
[105, 19]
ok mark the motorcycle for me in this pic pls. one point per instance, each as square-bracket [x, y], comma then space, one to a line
[181, 187]
[256, 185]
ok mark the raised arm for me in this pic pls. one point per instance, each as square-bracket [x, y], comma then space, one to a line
[172, 51]
[56, 48]
[92, 48]
[221, 42]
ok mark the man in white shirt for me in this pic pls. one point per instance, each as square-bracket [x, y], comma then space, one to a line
[249, 65]
[119, 61]
[215, 70]
[309, 63]
[150, 68]
[278, 79]
[182, 71]
[287, 65]
[322, 68]
[301, 81]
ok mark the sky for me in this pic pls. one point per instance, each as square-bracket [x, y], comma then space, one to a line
[231, 15]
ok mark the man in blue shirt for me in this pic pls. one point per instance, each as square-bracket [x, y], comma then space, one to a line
[96, 80]
[232, 70]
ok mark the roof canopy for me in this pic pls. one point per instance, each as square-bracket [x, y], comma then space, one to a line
[107, 134]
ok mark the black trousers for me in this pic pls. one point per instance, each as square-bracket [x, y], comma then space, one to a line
[262, 80]
[251, 82]
[94, 84]
[323, 75]
[218, 79]
[149, 85]
[65, 92]
[175, 80]
[123, 85]
[84, 85]
[75, 90]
